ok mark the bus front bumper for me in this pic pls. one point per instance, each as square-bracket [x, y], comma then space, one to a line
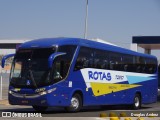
[48, 99]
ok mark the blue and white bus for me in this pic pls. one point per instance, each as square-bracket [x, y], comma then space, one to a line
[74, 72]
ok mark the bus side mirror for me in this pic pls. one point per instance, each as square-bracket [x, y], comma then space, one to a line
[52, 57]
[5, 58]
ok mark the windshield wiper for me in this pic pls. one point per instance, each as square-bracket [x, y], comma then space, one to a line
[32, 78]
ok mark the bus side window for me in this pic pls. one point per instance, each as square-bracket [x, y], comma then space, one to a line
[85, 63]
[127, 63]
[111, 65]
[85, 58]
[80, 63]
[100, 59]
[140, 64]
[90, 63]
[151, 66]
[96, 63]
[58, 70]
[62, 63]
[104, 64]
[154, 64]
[116, 61]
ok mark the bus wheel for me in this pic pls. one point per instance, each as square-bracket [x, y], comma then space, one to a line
[76, 104]
[137, 102]
[40, 108]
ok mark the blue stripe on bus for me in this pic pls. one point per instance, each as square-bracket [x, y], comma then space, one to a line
[137, 79]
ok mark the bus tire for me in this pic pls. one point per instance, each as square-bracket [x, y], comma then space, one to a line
[76, 104]
[136, 102]
[40, 108]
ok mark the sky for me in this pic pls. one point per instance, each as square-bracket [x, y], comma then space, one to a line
[115, 21]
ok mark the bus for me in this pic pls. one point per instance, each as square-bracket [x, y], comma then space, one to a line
[75, 72]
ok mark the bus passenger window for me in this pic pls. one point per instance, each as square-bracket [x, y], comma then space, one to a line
[60, 68]
[111, 65]
[85, 63]
[140, 65]
[96, 63]
[104, 64]
[90, 63]
[57, 73]
[151, 66]
[80, 63]
[62, 63]
[85, 59]
[115, 61]
[127, 63]
[100, 59]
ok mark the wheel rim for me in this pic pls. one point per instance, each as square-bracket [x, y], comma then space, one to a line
[136, 102]
[74, 103]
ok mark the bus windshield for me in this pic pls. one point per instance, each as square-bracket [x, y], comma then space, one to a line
[30, 67]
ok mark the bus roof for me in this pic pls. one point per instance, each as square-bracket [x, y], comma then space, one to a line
[49, 42]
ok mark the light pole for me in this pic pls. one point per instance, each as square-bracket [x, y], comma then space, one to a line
[86, 20]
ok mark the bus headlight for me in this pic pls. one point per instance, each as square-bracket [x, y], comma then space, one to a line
[47, 91]
[43, 93]
[10, 92]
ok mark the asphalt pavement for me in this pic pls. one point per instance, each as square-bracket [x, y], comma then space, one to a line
[92, 112]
